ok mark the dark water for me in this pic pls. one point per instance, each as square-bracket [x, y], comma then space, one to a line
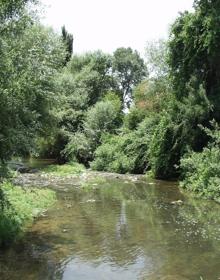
[119, 229]
[38, 163]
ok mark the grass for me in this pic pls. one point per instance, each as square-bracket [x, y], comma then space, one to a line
[19, 207]
[64, 170]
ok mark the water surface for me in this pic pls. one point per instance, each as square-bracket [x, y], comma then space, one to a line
[118, 228]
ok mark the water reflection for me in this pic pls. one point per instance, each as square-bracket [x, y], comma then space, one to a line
[121, 226]
[77, 269]
[119, 229]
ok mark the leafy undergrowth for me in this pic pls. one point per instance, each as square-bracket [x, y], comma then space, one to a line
[202, 173]
[201, 170]
[65, 169]
[19, 207]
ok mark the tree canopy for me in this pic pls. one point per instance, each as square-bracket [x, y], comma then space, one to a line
[30, 58]
[129, 69]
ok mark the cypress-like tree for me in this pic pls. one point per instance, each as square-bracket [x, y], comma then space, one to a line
[68, 40]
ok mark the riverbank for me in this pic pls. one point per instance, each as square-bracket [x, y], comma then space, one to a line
[19, 207]
[45, 180]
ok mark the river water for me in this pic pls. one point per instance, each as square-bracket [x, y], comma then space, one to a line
[122, 228]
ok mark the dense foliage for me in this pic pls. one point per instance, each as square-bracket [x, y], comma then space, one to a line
[103, 117]
[114, 112]
[68, 42]
[129, 70]
[201, 171]
[181, 94]
[31, 55]
[92, 98]
[126, 152]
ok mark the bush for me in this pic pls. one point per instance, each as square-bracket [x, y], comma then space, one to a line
[134, 118]
[51, 147]
[162, 153]
[18, 207]
[104, 117]
[201, 171]
[126, 152]
[178, 130]
[5, 171]
[111, 155]
[79, 148]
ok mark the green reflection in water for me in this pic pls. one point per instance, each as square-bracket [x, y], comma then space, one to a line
[115, 228]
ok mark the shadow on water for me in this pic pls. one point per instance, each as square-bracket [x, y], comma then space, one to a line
[120, 229]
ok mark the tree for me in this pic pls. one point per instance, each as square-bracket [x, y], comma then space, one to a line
[10, 9]
[30, 58]
[193, 60]
[194, 51]
[129, 69]
[68, 41]
[104, 117]
[85, 80]
[92, 74]
[156, 53]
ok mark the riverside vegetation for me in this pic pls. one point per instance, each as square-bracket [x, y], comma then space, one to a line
[19, 207]
[114, 112]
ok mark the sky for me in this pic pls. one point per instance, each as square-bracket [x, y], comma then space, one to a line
[109, 24]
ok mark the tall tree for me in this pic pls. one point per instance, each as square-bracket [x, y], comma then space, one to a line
[83, 82]
[68, 41]
[129, 69]
[156, 53]
[10, 9]
[30, 57]
[194, 50]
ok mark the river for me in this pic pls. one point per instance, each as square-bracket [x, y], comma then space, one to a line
[119, 227]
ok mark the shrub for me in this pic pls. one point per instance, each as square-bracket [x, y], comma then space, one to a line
[201, 171]
[104, 117]
[111, 155]
[134, 118]
[126, 152]
[5, 171]
[162, 154]
[52, 146]
[79, 148]
[178, 130]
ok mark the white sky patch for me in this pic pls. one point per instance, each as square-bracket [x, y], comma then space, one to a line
[109, 24]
